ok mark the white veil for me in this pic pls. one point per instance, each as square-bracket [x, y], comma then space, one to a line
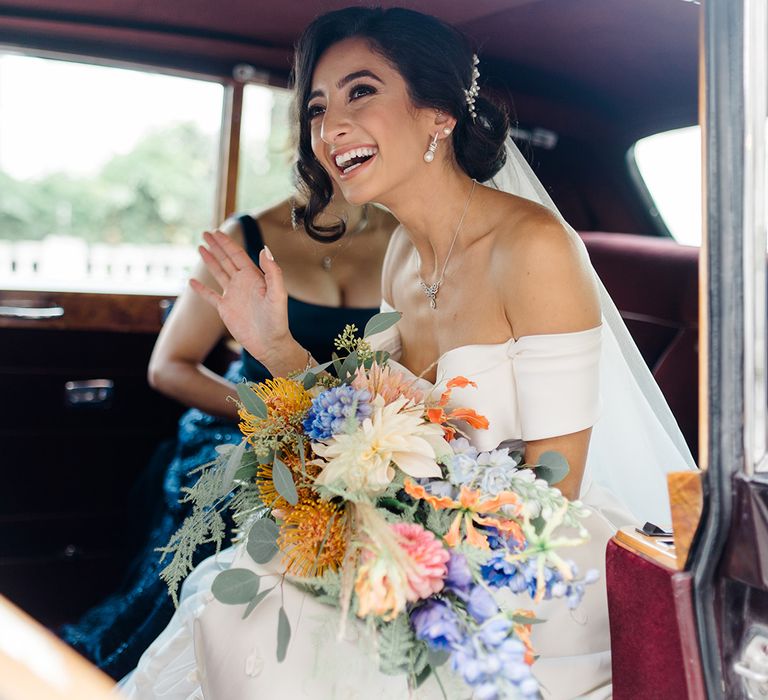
[636, 440]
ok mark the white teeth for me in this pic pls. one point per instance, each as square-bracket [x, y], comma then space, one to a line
[355, 153]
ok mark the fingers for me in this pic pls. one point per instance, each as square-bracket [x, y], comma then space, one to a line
[212, 263]
[272, 273]
[235, 253]
[205, 293]
[217, 250]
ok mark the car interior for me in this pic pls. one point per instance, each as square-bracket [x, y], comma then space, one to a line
[583, 82]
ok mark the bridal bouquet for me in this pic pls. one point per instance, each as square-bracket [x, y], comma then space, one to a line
[374, 500]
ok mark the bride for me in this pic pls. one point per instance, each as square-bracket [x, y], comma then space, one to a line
[493, 285]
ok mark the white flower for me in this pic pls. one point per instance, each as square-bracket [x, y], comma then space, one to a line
[394, 433]
[462, 446]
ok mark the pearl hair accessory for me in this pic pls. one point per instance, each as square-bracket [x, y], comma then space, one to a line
[472, 92]
[429, 155]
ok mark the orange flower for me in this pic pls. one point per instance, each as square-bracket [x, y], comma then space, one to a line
[313, 537]
[469, 415]
[523, 633]
[473, 508]
[457, 382]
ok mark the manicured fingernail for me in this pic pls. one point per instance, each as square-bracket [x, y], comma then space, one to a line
[269, 253]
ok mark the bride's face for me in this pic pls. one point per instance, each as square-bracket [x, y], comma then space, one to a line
[366, 132]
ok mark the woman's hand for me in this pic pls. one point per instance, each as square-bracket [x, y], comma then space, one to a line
[253, 304]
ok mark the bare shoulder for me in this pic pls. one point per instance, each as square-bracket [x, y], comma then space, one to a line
[398, 250]
[548, 283]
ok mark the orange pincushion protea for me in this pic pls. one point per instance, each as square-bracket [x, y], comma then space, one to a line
[284, 398]
[313, 537]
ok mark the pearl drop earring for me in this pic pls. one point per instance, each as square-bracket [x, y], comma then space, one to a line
[447, 130]
[429, 156]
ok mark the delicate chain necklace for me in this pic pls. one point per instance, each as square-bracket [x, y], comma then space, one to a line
[327, 261]
[362, 224]
[431, 290]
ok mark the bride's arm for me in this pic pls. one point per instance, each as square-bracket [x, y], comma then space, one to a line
[549, 287]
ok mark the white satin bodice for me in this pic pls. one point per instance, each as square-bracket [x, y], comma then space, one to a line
[534, 387]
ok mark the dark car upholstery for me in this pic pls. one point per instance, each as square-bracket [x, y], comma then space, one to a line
[655, 284]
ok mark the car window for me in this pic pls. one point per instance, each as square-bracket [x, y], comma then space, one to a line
[669, 164]
[265, 148]
[108, 175]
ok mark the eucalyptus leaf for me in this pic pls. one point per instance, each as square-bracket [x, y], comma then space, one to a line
[320, 368]
[552, 467]
[310, 379]
[234, 461]
[336, 362]
[246, 473]
[437, 657]
[262, 540]
[283, 634]
[283, 481]
[256, 600]
[380, 322]
[348, 367]
[252, 403]
[235, 586]
[302, 459]
[523, 620]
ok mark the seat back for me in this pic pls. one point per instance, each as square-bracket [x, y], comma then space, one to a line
[655, 285]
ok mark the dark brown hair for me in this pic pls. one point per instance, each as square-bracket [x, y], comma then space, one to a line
[434, 59]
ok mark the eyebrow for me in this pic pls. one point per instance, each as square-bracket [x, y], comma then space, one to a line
[346, 80]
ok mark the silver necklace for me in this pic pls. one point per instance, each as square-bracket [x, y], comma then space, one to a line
[327, 261]
[431, 290]
[362, 224]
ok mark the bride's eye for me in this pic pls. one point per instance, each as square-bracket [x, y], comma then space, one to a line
[314, 110]
[359, 91]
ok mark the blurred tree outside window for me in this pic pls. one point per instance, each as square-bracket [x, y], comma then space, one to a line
[108, 175]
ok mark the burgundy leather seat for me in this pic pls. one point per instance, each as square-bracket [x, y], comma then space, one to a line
[655, 284]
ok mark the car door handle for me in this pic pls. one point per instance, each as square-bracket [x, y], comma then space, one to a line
[35, 313]
[94, 393]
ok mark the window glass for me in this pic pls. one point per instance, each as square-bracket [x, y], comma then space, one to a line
[266, 149]
[670, 166]
[107, 175]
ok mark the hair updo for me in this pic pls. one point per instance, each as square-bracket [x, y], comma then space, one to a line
[434, 59]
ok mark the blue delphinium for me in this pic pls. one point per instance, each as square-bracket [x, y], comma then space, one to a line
[437, 625]
[481, 604]
[333, 410]
[493, 663]
[499, 572]
[459, 578]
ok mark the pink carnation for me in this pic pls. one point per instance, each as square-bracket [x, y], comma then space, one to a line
[429, 557]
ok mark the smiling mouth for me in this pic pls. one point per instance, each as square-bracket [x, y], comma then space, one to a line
[353, 159]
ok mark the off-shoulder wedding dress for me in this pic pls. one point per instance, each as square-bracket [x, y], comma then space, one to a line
[528, 388]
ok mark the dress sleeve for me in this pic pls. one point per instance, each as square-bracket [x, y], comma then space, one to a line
[557, 379]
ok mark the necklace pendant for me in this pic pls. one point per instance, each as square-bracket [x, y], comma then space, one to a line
[431, 291]
[327, 263]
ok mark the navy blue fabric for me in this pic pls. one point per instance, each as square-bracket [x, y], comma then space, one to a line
[115, 633]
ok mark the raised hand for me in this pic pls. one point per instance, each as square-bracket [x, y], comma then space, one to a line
[252, 303]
